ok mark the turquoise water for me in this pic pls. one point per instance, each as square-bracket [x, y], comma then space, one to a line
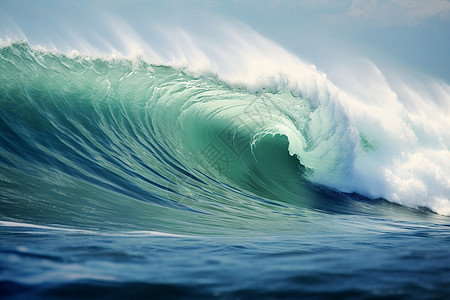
[123, 178]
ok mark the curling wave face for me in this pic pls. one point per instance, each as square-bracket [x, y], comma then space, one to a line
[122, 143]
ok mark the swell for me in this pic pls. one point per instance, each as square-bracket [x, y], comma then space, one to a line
[119, 143]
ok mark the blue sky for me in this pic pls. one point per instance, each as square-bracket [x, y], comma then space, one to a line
[411, 33]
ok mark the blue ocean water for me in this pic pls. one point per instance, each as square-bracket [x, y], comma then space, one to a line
[396, 259]
[125, 178]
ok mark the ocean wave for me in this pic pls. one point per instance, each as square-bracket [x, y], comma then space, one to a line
[94, 135]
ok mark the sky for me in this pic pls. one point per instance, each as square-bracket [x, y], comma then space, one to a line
[411, 34]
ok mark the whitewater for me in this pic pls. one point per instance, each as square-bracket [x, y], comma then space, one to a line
[192, 166]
